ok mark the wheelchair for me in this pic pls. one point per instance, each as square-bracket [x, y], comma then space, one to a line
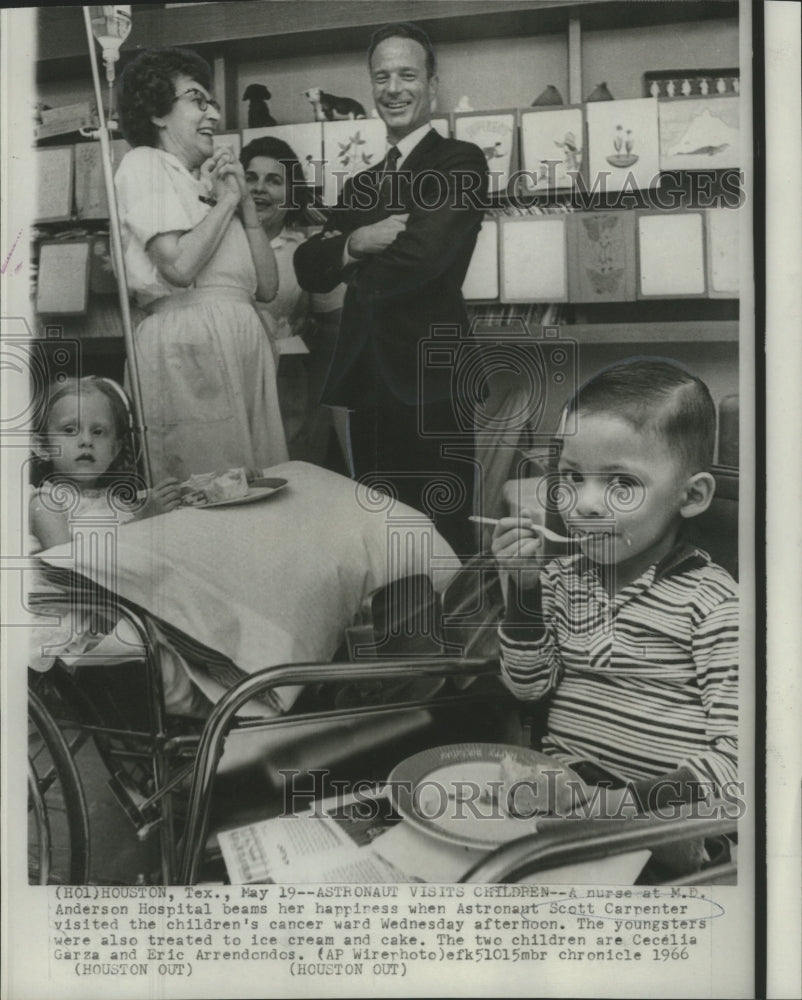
[356, 719]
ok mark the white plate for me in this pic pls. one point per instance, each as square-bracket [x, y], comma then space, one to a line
[254, 493]
[446, 770]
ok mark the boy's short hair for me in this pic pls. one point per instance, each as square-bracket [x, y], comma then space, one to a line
[657, 395]
[405, 29]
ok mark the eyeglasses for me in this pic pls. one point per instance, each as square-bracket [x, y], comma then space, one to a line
[199, 98]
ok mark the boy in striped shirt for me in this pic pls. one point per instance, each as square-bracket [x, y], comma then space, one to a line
[635, 638]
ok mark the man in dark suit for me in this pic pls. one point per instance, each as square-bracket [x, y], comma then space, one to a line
[402, 236]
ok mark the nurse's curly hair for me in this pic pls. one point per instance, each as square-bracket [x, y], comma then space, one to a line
[146, 89]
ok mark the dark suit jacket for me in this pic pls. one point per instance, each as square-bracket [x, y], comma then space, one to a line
[395, 297]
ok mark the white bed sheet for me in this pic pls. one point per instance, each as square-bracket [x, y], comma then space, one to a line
[271, 582]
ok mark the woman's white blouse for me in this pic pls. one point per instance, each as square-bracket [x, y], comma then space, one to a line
[157, 194]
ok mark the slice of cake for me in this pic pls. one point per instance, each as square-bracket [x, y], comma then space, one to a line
[227, 486]
[211, 487]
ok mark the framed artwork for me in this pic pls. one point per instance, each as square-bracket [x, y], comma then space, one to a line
[348, 148]
[481, 280]
[54, 179]
[691, 82]
[90, 189]
[623, 145]
[723, 237]
[533, 263]
[602, 259]
[551, 148]
[306, 141]
[671, 254]
[231, 139]
[495, 134]
[63, 278]
[700, 133]
[441, 124]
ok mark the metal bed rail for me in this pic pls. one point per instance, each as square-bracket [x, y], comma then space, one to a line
[221, 719]
[567, 841]
[107, 606]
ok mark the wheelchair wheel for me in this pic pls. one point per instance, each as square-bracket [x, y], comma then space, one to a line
[58, 821]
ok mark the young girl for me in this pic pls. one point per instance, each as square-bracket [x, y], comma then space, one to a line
[84, 448]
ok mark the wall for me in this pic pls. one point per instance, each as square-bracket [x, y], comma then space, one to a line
[620, 58]
[492, 72]
[507, 72]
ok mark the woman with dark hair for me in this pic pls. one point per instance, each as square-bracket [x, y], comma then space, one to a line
[284, 206]
[195, 255]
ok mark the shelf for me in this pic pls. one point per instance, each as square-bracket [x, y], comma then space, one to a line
[278, 28]
[687, 332]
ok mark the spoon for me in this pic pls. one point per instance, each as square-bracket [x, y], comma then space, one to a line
[546, 532]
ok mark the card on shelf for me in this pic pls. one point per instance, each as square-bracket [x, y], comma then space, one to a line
[63, 278]
[671, 254]
[551, 148]
[623, 144]
[700, 133]
[533, 259]
[494, 133]
[602, 260]
[54, 180]
[349, 147]
[90, 189]
[723, 237]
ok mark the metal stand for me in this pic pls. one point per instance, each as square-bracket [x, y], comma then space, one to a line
[102, 133]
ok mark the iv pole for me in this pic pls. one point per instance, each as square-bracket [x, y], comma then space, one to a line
[102, 133]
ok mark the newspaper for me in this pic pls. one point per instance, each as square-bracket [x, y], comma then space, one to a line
[343, 931]
[300, 849]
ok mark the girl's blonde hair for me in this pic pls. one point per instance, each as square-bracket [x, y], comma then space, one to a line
[125, 462]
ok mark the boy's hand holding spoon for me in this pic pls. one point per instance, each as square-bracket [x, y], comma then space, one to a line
[516, 543]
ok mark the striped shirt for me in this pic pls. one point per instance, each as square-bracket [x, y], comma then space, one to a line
[644, 681]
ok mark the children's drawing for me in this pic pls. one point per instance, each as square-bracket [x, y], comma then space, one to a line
[623, 144]
[350, 147]
[700, 133]
[551, 147]
[602, 256]
[494, 134]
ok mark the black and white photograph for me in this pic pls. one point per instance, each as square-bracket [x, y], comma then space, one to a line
[383, 505]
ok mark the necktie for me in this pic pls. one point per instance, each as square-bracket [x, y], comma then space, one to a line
[386, 186]
[391, 160]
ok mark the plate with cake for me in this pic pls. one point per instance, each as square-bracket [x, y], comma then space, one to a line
[227, 489]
